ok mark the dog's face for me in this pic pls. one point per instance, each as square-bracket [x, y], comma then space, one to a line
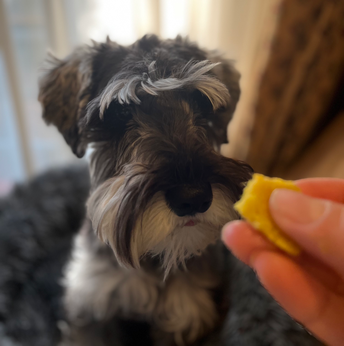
[156, 114]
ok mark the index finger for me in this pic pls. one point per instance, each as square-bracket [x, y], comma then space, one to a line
[326, 188]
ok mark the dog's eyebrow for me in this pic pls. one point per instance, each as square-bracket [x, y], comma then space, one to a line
[192, 76]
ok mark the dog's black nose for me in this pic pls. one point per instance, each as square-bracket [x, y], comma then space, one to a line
[190, 199]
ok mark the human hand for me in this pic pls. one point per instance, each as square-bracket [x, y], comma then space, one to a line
[310, 286]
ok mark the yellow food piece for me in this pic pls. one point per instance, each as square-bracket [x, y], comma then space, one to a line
[254, 207]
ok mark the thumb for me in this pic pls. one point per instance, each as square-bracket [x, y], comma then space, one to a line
[317, 225]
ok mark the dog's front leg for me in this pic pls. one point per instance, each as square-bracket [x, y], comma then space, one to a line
[186, 308]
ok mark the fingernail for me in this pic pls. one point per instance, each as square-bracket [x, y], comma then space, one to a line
[295, 207]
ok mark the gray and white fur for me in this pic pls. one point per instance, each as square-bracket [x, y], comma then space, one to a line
[155, 114]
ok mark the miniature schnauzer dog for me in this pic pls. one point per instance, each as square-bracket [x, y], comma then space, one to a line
[155, 114]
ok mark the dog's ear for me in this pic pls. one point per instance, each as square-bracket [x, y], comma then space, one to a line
[230, 77]
[64, 94]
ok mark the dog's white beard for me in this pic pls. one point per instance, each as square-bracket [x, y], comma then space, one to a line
[160, 232]
[164, 234]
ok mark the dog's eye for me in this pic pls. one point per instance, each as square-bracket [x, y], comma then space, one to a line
[204, 118]
[201, 102]
[116, 117]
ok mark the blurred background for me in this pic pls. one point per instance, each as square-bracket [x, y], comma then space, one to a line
[290, 55]
[30, 28]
